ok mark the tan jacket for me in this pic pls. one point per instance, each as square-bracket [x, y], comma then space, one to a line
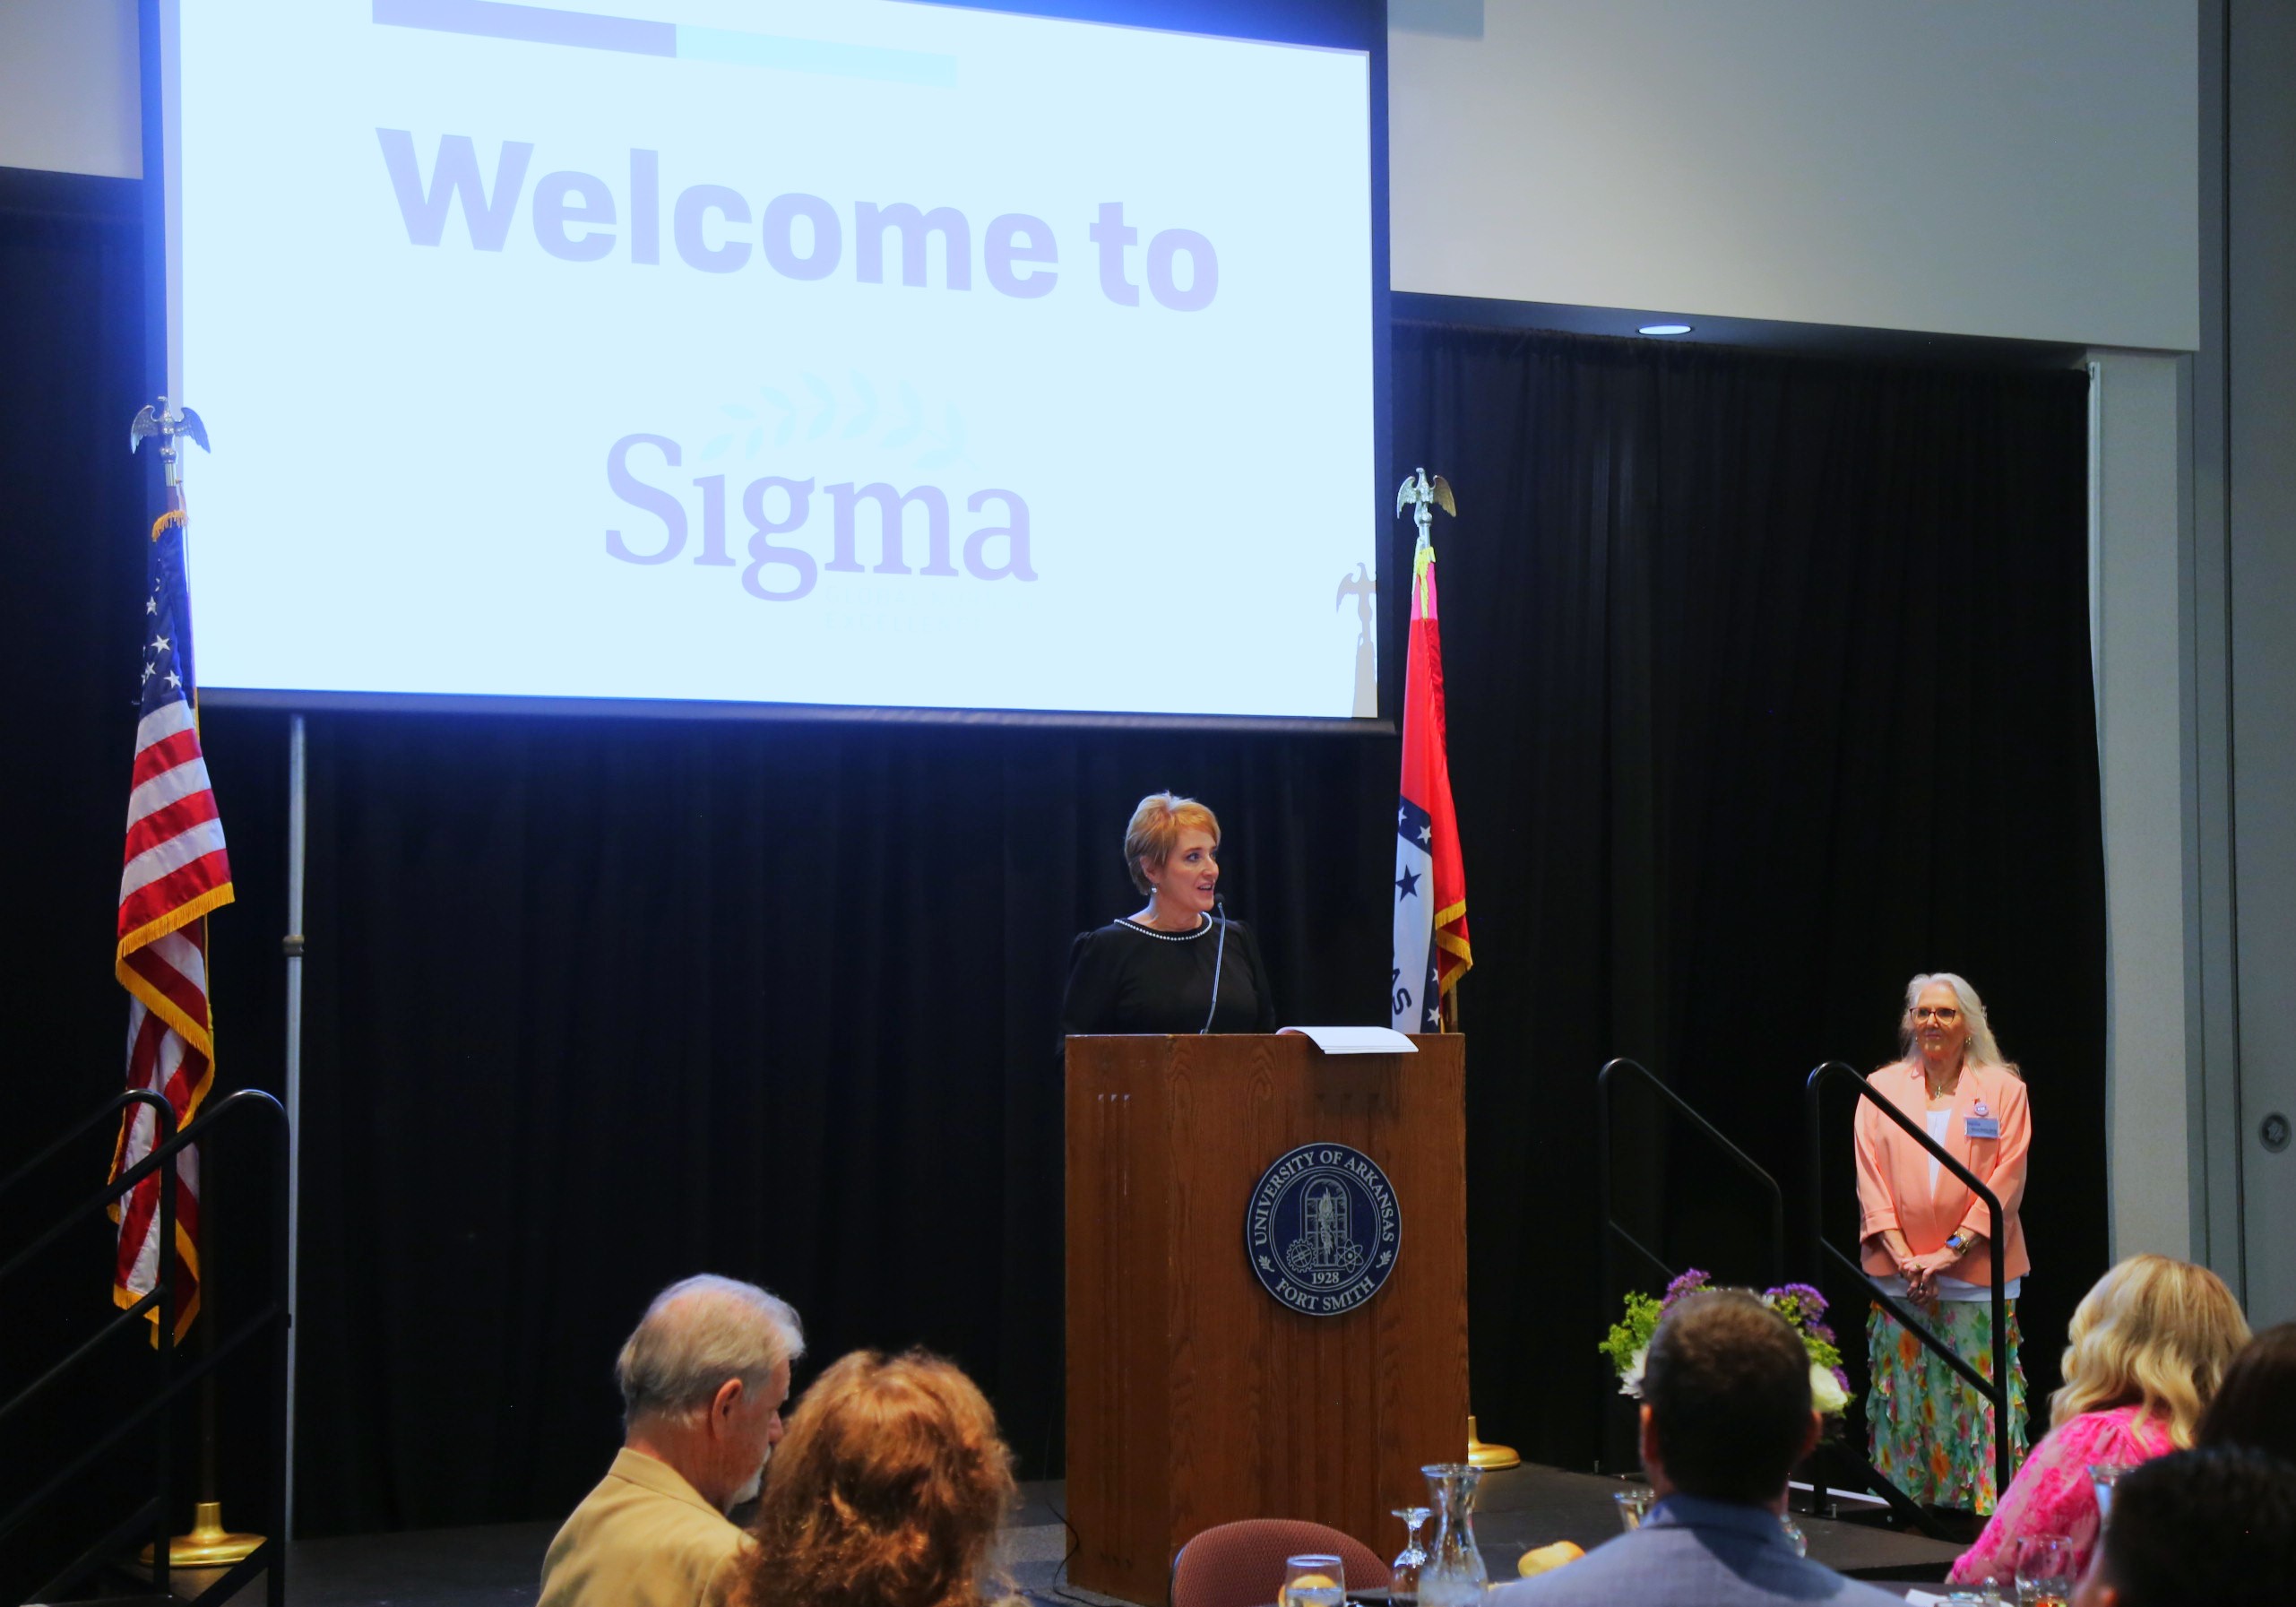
[642, 1539]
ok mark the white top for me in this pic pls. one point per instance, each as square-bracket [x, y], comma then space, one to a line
[1952, 1289]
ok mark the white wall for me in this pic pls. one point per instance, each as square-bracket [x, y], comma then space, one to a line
[2023, 168]
[2017, 167]
[2259, 352]
[2137, 506]
[68, 87]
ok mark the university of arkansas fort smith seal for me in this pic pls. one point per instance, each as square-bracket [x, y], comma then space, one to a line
[1321, 1229]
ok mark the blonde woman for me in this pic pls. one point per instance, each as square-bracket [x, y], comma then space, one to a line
[1926, 1241]
[2149, 1345]
[1153, 971]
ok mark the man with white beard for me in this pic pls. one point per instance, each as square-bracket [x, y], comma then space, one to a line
[703, 1379]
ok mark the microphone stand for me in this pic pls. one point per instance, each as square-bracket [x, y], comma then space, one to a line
[1220, 914]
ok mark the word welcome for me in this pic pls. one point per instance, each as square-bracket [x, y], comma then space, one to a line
[990, 552]
[575, 217]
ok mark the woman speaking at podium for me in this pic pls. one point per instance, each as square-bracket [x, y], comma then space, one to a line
[1926, 1241]
[1154, 971]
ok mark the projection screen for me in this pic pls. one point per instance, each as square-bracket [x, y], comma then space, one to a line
[724, 352]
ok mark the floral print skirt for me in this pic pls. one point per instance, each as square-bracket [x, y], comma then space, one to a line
[1930, 1428]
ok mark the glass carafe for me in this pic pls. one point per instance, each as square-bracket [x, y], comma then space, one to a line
[1452, 1575]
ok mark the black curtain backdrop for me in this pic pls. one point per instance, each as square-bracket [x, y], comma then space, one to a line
[73, 513]
[1769, 686]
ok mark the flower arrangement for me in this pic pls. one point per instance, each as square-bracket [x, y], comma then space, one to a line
[1628, 1344]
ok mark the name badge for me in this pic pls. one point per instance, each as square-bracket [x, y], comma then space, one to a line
[1981, 1127]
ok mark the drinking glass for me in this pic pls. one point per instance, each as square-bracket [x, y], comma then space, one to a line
[1634, 1506]
[1402, 1586]
[1313, 1580]
[2045, 1571]
[2103, 1477]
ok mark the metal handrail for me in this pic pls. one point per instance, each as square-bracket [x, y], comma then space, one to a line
[63, 1584]
[1995, 1390]
[101, 1197]
[119, 1102]
[164, 1124]
[1745, 1161]
[270, 1557]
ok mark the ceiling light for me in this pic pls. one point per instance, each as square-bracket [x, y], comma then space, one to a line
[1665, 329]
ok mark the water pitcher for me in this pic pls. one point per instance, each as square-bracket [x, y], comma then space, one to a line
[1454, 1575]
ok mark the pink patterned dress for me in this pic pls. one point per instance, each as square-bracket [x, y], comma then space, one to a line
[2052, 1494]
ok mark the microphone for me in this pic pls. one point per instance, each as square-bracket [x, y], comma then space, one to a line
[1220, 914]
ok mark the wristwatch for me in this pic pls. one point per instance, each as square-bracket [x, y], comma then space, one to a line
[1958, 1243]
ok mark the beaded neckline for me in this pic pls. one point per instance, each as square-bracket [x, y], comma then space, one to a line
[1149, 931]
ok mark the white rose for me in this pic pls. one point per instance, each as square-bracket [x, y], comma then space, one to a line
[1630, 1382]
[1825, 1393]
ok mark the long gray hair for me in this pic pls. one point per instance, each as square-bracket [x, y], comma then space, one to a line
[1981, 1048]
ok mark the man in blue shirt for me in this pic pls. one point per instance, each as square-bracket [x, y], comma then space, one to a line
[1726, 1414]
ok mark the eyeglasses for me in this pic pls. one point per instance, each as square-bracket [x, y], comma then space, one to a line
[1940, 1013]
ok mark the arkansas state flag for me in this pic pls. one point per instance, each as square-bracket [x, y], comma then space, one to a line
[1431, 947]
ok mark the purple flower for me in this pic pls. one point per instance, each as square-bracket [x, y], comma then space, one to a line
[1807, 1300]
[1689, 1282]
[1843, 1378]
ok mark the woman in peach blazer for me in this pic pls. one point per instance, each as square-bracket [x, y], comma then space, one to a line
[1927, 1239]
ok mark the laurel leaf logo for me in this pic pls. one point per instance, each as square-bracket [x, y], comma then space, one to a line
[864, 418]
[824, 410]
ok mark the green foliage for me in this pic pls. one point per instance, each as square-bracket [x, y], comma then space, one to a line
[1632, 1331]
[1798, 1303]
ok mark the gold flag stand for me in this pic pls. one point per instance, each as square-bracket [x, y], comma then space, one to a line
[209, 1544]
[1488, 1456]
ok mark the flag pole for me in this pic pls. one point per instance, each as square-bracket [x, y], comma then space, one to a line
[298, 816]
[207, 1543]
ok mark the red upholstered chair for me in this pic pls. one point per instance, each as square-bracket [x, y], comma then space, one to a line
[1241, 1565]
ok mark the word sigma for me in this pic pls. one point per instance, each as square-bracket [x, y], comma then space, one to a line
[776, 506]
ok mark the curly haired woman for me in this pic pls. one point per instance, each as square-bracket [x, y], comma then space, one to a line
[887, 1491]
[2149, 1344]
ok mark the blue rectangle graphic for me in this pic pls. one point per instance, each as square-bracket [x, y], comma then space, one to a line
[531, 24]
[816, 56]
[631, 36]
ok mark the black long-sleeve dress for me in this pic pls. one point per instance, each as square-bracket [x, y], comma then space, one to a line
[1128, 978]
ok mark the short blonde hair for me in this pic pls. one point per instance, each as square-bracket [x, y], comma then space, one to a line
[1157, 822]
[2152, 1333]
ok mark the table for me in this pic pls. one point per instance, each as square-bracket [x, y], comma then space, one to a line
[1519, 1508]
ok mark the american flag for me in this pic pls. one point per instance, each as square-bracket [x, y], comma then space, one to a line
[175, 872]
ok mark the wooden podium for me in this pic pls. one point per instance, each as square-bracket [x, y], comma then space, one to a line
[1194, 1398]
